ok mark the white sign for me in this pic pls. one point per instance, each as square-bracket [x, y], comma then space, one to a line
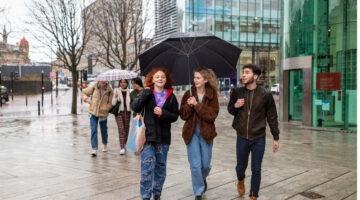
[318, 102]
[325, 105]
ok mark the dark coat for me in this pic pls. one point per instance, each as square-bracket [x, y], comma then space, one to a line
[133, 95]
[206, 112]
[157, 127]
[251, 123]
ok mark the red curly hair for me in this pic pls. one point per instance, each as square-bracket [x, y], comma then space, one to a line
[149, 77]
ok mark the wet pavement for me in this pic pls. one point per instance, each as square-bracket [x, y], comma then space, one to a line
[47, 156]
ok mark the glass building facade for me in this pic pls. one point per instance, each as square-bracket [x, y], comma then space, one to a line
[252, 25]
[319, 63]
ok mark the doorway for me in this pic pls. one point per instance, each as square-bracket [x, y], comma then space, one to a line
[295, 94]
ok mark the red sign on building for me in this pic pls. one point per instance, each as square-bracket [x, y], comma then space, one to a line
[328, 81]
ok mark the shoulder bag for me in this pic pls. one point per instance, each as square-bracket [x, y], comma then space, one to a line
[115, 109]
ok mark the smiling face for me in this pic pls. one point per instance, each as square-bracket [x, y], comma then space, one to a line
[199, 80]
[248, 77]
[159, 79]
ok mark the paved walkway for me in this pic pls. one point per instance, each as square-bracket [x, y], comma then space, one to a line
[48, 157]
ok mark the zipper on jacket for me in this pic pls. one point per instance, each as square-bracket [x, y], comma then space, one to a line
[247, 127]
[251, 94]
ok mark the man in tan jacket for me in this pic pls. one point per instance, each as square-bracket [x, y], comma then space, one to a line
[99, 97]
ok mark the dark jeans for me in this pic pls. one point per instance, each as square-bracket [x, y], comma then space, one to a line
[257, 148]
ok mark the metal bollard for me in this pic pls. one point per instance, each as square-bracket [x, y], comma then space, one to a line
[39, 108]
[26, 101]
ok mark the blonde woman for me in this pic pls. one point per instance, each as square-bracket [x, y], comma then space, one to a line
[199, 109]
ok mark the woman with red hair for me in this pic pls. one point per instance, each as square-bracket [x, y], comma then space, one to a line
[161, 108]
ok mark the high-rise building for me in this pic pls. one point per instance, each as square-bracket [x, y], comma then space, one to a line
[319, 63]
[165, 18]
[252, 25]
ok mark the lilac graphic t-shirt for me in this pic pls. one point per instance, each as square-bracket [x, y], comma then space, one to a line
[160, 97]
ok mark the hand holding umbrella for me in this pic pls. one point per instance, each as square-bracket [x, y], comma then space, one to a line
[192, 101]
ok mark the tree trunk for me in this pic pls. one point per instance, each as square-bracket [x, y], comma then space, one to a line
[75, 91]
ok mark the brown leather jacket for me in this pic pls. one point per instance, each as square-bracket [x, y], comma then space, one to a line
[250, 119]
[206, 112]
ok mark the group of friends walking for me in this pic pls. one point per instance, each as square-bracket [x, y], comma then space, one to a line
[251, 105]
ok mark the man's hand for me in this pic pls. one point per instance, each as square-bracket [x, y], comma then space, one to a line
[276, 146]
[239, 103]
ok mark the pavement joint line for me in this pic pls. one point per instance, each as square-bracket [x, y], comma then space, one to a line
[299, 174]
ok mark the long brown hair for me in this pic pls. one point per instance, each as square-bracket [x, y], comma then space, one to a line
[209, 75]
[169, 80]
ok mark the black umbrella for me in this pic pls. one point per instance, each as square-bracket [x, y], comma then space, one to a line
[181, 53]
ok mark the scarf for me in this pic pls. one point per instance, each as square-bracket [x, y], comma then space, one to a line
[121, 99]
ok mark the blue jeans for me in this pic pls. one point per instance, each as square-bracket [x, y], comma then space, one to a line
[94, 131]
[153, 168]
[199, 157]
[257, 149]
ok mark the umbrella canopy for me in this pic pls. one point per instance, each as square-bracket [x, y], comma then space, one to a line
[181, 53]
[116, 74]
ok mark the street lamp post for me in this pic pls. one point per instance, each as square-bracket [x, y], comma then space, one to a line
[81, 85]
[42, 88]
[57, 82]
[51, 92]
[12, 86]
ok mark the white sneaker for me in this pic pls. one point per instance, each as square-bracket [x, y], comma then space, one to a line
[105, 148]
[122, 151]
[93, 152]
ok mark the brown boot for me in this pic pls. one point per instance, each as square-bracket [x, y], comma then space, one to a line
[253, 198]
[241, 187]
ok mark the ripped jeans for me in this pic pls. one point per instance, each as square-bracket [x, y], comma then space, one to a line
[153, 168]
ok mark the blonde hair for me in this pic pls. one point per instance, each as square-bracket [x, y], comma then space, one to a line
[209, 75]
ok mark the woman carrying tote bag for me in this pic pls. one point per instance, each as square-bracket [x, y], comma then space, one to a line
[161, 109]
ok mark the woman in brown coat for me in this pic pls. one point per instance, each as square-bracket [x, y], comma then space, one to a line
[199, 108]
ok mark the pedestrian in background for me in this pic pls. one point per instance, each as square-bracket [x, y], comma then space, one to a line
[161, 109]
[137, 88]
[98, 96]
[200, 111]
[252, 106]
[122, 95]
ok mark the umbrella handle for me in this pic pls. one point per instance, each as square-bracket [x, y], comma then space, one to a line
[188, 65]
[190, 90]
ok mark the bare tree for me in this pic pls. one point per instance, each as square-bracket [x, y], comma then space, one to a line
[119, 32]
[65, 25]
